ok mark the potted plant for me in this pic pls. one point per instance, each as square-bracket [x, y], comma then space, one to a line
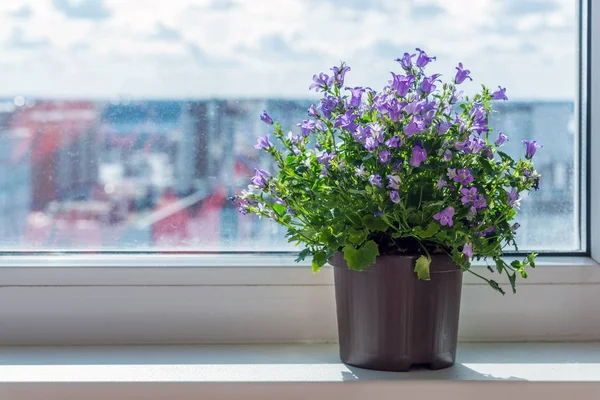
[399, 189]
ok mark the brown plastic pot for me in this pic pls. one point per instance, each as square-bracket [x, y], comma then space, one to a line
[390, 320]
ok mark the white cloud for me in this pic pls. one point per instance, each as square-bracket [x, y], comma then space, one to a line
[255, 48]
[83, 9]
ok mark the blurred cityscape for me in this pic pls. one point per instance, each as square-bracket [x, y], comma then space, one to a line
[156, 175]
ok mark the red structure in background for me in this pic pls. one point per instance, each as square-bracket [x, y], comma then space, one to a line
[172, 229]
[61, 146]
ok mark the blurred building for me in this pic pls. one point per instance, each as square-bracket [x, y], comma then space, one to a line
[61, 147]
[15, 181]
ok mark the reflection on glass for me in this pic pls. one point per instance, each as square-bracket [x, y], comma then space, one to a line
[127, 125]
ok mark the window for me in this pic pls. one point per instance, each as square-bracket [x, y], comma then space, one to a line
[126, 124]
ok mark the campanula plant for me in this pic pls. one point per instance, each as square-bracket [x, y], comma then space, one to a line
[412, 169]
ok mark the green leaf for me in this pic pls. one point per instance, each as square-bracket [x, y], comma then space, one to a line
[374, 223]
[319, 259]
[279, 209]
[505, 157]
[361, 258]
[428, 232]
[318, 185]
[356, 236]
[499, 266]
[422, 268]
[516, 264]
[496, 287]
[512, 279]
[302, 255]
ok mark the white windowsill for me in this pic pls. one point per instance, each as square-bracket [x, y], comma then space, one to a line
[242, 269]
[201, 299]
[248, 370]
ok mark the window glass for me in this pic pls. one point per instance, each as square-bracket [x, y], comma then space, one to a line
[126, 124]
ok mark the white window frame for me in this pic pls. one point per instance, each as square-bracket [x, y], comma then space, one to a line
[120, 299]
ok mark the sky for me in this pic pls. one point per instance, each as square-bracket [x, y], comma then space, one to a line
[181, 49]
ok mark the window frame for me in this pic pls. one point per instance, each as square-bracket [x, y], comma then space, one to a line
[118, 298]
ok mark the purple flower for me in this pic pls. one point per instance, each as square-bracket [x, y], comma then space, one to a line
[378, 213]
[414, 126]
[486, 232]
[394, 196]
[443, 127]
[401, 84]
[324, 171]
[395, 141]
[397, 165]
[530, 148]
[291, 211]
[419, 155]
[464, 146]
[293, 138]
[441, 183]
[324, 158]
[243, 208]
[394, 182]
[394, 110]
[468, 250]
[423, 58]
[456, 96]
[406, 61]
[321, 126]
[263, 143]
[464, 177]
[384, 156]
[445, 217]
[360, 171]
[427, 84]
[487, 151]
[515, 226]
[346, 121]
[376, 132]
[321, 81]
[447, 155]
[414, 106]
[477, 144]
[307, 126]
[361, 133]
[339, 73]
[461, 74]
[451, 173]
[499, 94]
[266, 118]
[312, 111]
[279, 200]
[371, 144]
[514, 199]
[501, 139]
[480, 202]
[260, 178]
[328, 104]
[357, 93]
[469, 195]
[375, 180]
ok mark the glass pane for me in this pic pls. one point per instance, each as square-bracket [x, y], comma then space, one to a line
[126, 124]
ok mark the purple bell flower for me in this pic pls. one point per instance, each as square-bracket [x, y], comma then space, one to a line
[445, 217]
[461, 74]
[266, 118]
